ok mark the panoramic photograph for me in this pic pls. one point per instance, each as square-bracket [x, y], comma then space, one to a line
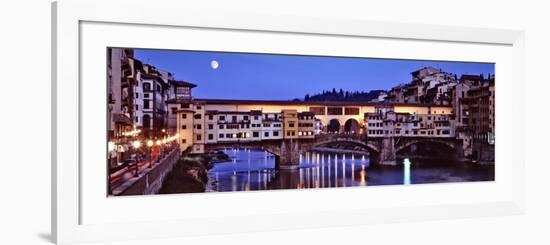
[188, 121]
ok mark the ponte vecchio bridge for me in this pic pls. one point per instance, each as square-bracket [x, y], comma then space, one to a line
[353, 126]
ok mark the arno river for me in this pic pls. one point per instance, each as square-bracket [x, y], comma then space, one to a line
[255, 170]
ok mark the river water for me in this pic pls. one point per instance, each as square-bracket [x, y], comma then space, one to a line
[255, 170]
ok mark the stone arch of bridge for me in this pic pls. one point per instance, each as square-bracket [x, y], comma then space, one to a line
[402, 146]
[371, 148]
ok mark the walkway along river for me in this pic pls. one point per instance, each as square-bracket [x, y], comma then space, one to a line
[251, 169]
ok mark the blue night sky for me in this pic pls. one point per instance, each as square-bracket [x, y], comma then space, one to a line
[285, 77]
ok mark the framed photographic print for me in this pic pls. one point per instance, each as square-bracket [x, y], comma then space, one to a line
[215, 123]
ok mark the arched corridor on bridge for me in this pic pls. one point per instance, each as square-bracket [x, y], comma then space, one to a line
[334, 126]
[352, 126]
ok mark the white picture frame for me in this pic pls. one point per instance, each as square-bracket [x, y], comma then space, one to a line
[68, 17]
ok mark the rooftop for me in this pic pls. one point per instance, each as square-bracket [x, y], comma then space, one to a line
[184, 83]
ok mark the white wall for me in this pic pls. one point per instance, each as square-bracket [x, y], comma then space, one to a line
[25, 49]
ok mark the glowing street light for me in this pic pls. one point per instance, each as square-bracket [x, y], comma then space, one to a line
[149, 143]
[158, 142]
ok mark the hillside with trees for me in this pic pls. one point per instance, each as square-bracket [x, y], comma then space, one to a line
[341, 95]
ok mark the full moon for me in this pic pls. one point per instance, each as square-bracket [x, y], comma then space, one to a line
[214, 64]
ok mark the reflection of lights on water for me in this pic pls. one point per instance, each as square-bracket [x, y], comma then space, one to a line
[301, 179]
[363, 175]
[406, 171]
[353, 171]
[335, 170]
[234, 182]
[317, 158]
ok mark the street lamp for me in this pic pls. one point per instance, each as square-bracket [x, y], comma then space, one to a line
[150, 145]
[136, 144]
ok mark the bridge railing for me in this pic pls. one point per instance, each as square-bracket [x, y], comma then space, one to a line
[343, 135]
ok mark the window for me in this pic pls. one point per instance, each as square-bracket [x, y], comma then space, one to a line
[199, 137]
[174, 110]
[146, 95]
[198, 116]
[317, 110]
[210, 126]
[137, 95]
[334, 110]
[199, 107]
[245, 118]
[183, 141]
[184, 126]
[158, 88]
[228, 135]
[291, 125]
[266, 134]
[221, 126]
[198, 126]
[255, 134]
[234, 118]
[183, 116]
[146, 121]
[146, 104]
[210, 117]
[275, 133]
[222, 118]
[255, 117]
[147, 86]
[220, 136]
[182, 91]
[210, 136]
[137, 107]
[351, 111]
